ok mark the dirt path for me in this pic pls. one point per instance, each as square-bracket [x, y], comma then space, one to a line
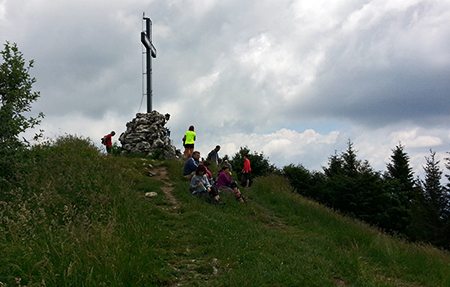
[160, 173]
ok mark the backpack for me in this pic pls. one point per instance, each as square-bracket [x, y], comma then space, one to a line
[103, 140]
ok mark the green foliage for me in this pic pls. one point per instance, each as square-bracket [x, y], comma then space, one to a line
[80, 218]
[307, 183]
[434, 192]
[430, 211]
[347, 184]
[116, 150]
[259, 163]
[399, 184]
[355, 188]
[395, 202]
[16, 97]
[400, 170]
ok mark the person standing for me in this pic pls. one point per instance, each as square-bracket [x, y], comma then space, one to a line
[213, 155]
[108, 141]
[246, 171]
[189, 140]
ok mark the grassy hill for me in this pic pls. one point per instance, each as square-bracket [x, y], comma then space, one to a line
[81, 218]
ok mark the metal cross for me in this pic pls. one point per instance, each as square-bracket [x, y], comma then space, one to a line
[146, 39]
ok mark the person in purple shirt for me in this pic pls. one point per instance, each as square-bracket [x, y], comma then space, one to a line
[225, 183]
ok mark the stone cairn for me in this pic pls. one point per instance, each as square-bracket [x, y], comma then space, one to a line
[146, 134]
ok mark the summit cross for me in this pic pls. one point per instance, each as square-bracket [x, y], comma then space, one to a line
[146, 39]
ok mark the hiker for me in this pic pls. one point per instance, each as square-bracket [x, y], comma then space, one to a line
[191, 165]
[225, 183]
[213, 155]
[188, 142]
[208, 173]
[226, 163]
[246, 171]
[200, 184]
[108, 141]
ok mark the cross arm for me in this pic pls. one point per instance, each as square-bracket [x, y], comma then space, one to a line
[148, 44]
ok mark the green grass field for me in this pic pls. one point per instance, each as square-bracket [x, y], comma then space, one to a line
[81, 218]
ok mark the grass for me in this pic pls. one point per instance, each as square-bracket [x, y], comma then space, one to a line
[81, 218]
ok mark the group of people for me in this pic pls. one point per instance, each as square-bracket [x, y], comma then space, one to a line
[188, 142]
[202, 181]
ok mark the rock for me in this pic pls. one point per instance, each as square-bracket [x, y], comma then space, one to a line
[146, 134]
[151, 194]
[158, 143]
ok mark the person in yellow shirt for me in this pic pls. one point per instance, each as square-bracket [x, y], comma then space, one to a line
[189, 140]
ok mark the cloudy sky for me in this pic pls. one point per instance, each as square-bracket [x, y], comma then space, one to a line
[294, 79]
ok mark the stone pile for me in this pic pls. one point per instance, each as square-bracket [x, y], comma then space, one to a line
[146, 134]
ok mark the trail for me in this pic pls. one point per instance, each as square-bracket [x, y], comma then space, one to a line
[160, 173]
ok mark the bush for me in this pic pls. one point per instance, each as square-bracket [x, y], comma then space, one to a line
[259, 163]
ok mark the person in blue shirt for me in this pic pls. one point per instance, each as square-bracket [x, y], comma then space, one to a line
[191, 165]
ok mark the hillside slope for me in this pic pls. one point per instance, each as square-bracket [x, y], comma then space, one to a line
[81, 218]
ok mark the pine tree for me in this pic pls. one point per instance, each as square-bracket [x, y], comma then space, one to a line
[431, 206]
[399, 183]
[446, 213]
[350, 162]
[354, 187]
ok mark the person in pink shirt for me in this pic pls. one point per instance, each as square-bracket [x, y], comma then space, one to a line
[246, 171]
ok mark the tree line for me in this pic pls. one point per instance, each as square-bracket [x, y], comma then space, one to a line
[394, 200]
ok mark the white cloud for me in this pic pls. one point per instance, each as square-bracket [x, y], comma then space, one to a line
[415, 139]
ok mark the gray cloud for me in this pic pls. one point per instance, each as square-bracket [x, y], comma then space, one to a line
[246, 71]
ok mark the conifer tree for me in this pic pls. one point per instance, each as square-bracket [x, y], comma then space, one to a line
[399, 183]
[433, 190]
[355, 187]
[307, 183]
[446, 212]
[431, 206]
